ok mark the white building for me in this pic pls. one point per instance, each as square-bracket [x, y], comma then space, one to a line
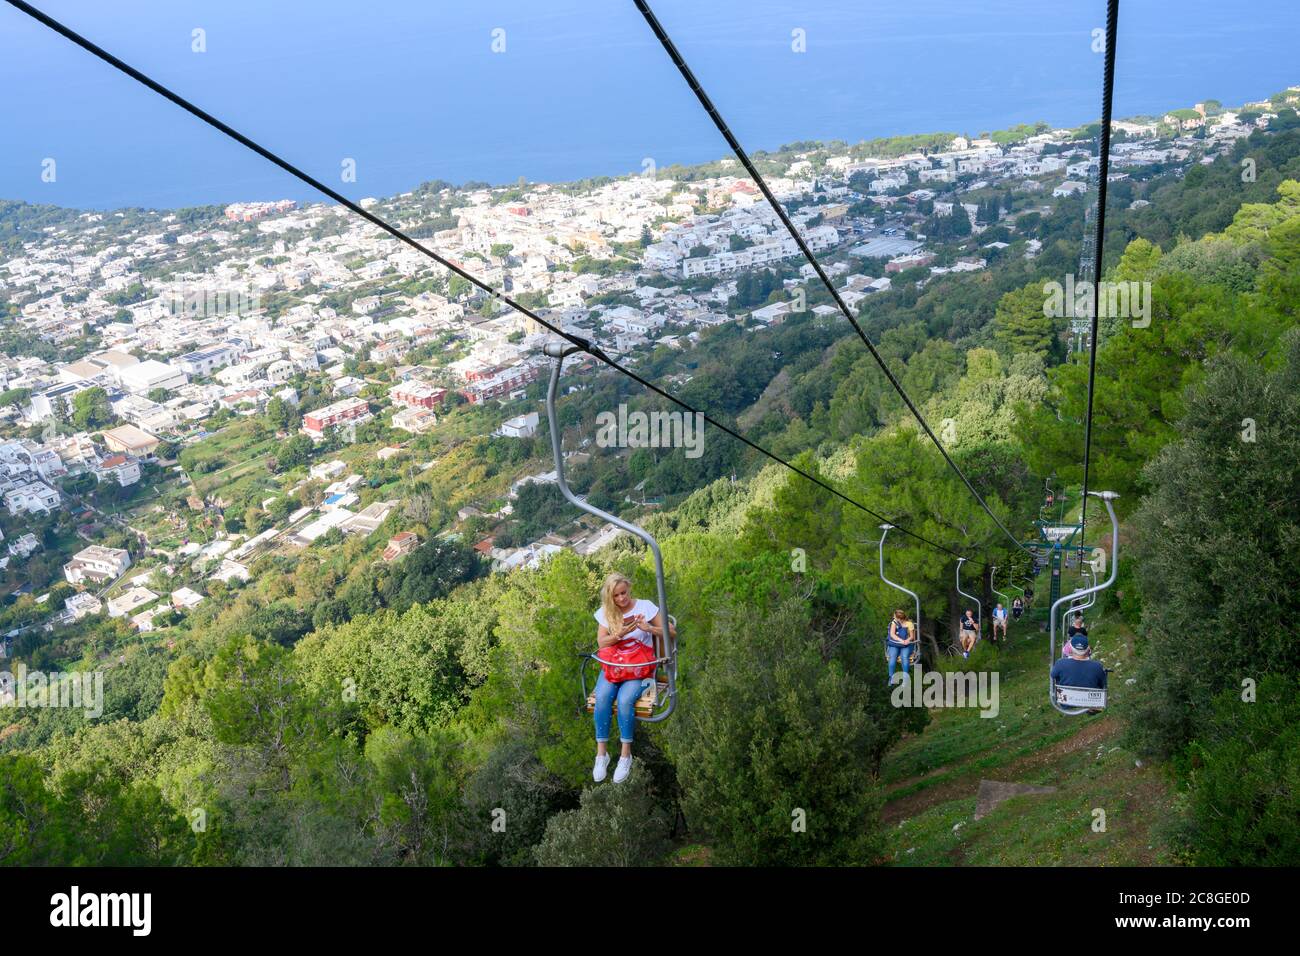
[143, 622]
[96, 564]
[774, 313]
[24, 546]
[941, 175]
[56, 401]
[47, 463]
[521, 426]
[1069, 188]
[145, 376]
[241, 374]
[81, 604]
[186, 599]
[32, 497]
[529, 557]
[121, 468]
[414, 420]
[325, 470]
[206, 361]
[130, 601]
[230, 571]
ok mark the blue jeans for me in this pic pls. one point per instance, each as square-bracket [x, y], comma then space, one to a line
[898, 653]
[627, 693]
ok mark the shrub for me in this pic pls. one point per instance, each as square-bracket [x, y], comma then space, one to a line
[1243, 775]
[513, 787]
[615, 825]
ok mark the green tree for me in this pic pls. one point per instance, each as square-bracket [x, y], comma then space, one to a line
[416, 801]
[31, 828]
[1214, 556]
[1142, 375]
[430, 572]
[15, 397]
[776, 731]
[253, 696]
[543, 621]
[119, 823]
[1020, 323]
[281, 415]
[615, 825]
[91, 409]
[87, 816]
[407, 669]
[294, 453]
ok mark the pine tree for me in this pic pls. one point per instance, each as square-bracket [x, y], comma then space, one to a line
[1020, 325]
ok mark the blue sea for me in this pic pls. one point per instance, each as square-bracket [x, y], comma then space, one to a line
[561, 89]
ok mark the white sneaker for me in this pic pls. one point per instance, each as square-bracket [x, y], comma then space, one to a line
[623, 769]
[601, 767]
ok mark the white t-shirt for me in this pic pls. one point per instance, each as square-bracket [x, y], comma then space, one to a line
[643, 607]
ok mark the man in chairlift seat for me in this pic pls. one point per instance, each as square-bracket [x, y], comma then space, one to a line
[999, 621]
[1076, 628]
[1077, 669]
[968, 632]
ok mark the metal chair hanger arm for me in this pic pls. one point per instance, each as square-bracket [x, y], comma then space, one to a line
[665, 642]
[979, 608]
[885, 528]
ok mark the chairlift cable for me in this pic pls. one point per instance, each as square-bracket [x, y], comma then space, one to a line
[1103, 172]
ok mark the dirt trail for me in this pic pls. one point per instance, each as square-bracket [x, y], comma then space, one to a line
[966, 785]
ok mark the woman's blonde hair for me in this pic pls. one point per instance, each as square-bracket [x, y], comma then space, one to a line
[613, 613]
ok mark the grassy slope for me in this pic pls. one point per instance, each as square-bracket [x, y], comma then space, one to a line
[932, 779]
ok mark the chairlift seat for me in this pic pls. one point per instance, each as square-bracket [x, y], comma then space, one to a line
[645, 704]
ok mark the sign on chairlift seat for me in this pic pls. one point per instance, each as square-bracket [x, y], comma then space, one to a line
[1059, 532]
[1090, 697]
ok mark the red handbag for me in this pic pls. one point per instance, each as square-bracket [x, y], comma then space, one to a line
[622, 656]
